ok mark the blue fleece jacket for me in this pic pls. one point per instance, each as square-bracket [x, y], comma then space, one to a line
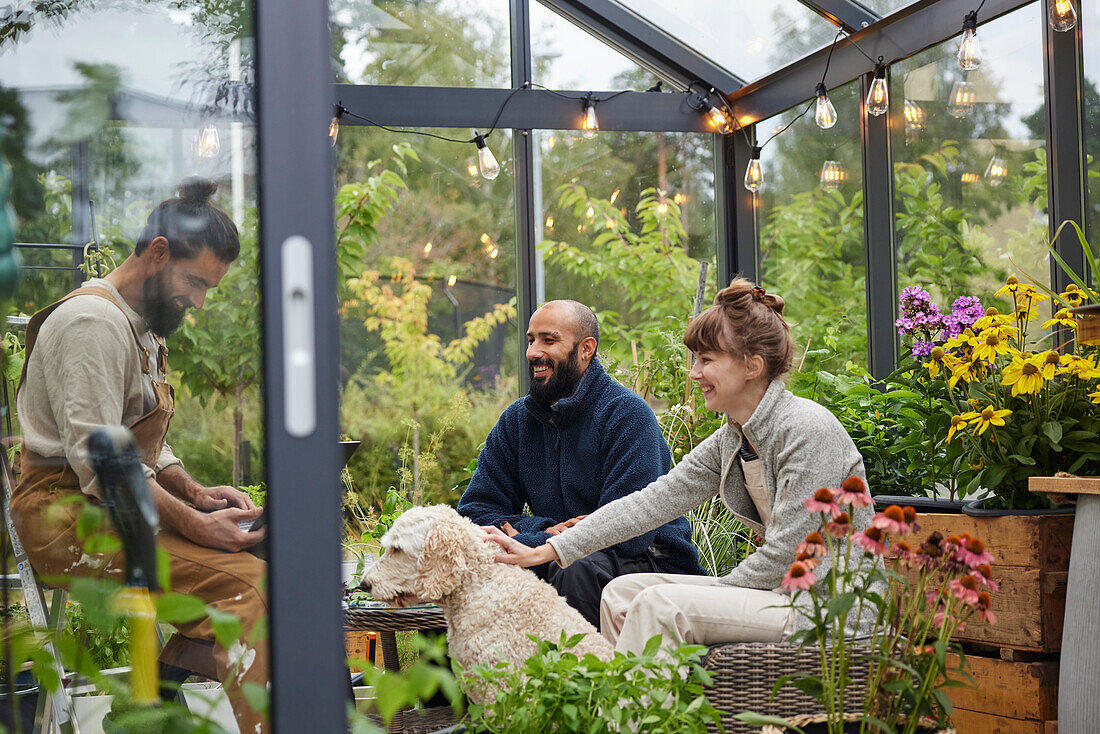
[585, 451]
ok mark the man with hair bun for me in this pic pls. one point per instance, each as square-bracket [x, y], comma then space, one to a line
[97, 358]
[577, 442]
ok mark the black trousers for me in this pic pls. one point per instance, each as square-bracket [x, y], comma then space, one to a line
[582, 582]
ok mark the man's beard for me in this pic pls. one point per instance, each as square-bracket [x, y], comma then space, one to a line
[159, 309]
[562, 381]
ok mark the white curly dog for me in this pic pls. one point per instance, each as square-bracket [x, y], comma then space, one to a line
[433, 554]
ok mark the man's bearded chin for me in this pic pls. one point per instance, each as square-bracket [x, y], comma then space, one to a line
[561, 382]
[160, 311]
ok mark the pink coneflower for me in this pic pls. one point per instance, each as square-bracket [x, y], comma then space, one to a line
[966, 589]
[972, 552]
[814, 545]
[808, 560]
[824, 500]
[798, 577]
[910, 516]
[983, 610]
[854, 492]
[892, 520]
[984, 573]
[840, 525]
[873, 539]
[904, 551]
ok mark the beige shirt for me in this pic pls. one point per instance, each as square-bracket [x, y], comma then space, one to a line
[85, 372]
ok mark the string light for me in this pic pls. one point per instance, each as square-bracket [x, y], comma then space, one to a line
[208, 145]
[825, 113]
[878, 98]
[549, 222]
[428, 248]
[969, 55]
[590, 213]
[334, 126]
[832, 175]
[996, 171]
[754, 174]
[589, 124]
[719, 119]
[452, 280]
[614, 195]
[679, 198]
[962, 99]
[487, 164]
[969, 177]
[1062, 15]
[914, 116]
[472, 169]
[493, 253]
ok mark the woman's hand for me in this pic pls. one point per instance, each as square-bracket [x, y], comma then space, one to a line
[515, 552]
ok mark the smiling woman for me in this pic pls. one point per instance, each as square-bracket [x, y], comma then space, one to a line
[773, 453]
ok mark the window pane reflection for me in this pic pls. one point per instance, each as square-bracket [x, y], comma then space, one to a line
[427, 257]
[811, 228]
[970, 171]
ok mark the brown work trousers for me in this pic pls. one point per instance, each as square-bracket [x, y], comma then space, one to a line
[229, 582]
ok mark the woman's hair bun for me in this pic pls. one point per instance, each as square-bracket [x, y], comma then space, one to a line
[774, 302]
[197, 189]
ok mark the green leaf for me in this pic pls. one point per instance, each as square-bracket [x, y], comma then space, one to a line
[176, 608]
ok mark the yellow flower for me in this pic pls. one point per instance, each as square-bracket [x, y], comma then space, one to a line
[934, 363]
[1025, 375]
[1081, 367]
[1012, 285]
[1049, 362]
[958, 422]
[990, 417]
[992, 318]
[1027, 310]
[1074, 295]
[1095, 396]
[990, 343]
[1062, 317]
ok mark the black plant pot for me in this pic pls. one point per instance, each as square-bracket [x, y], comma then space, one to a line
[920, 504]
[976, 508]
[21, 704]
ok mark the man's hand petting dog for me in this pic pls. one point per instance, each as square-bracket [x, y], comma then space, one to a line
[556, 529]
[515, 552]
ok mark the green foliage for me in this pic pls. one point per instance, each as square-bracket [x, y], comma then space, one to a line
[557, 691]
[107, 644]
[256, 492]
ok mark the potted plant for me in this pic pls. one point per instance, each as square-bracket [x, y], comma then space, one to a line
[906, 597]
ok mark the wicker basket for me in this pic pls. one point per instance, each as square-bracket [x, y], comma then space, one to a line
[745, 673]
[418, 721]
[803, 721]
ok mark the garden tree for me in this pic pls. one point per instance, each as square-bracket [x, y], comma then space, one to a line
[25, 195]
[423, 370]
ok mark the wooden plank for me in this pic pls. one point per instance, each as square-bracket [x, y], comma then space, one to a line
[1015, 690]
[1041, 541]
[976, 722]
[1064, 485]
[1030, 609]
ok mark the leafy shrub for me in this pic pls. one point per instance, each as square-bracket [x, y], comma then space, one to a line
[555, 691]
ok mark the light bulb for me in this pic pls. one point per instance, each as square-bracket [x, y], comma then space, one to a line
[208, 145]
[590, 124]
[969, 55]
[334, 126]
[996, 171]
[549, 222]
[824, 113]
[428, 248]
[969, 177]
[1062, 15]
[754, 174]
[832, 174]
[472, 169]
[962, 99]
[486, 162]
[878, 98]
[720, 120]
[452, 280]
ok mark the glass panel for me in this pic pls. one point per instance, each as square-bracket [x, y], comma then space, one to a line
[768, 35]
[811, 229]
[885, 7]
[627, 220]
[449, 43]
[1090, 34]
[107, 108]
[565, 57]
[428, 285]
[971, 177]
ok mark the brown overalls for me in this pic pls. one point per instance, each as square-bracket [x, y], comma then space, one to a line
[230, 582]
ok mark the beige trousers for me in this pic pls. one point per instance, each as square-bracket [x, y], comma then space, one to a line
[690, 610]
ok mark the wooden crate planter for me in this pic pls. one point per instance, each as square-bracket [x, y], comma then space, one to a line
[1008, 697]
[1031, 564]
[363, 645]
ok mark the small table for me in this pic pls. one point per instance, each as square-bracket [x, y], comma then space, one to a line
[386, 620]
[1079, 668]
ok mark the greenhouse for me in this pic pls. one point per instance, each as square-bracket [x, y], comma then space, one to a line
[767, 337]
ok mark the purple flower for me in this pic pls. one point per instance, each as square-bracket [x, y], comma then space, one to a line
[922, 349]
[918, 313]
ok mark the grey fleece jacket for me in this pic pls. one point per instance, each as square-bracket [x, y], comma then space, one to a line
[802, 447]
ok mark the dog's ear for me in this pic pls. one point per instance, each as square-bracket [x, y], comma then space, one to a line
[444, 560]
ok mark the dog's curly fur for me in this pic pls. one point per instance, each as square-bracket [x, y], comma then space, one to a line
[434, 554]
